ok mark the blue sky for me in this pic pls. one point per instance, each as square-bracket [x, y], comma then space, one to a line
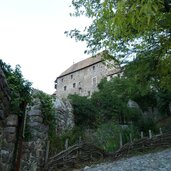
[32, 35]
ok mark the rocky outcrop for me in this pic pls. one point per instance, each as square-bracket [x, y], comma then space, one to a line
[64, 115]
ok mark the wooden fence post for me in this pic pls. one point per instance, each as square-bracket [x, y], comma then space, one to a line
[142, 134]
[120, 138]
[130, 137]
[66, 144]
[150, 134]
[80, 140]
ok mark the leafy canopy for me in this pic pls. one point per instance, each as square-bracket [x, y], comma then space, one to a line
[127, 29]
[119, 26]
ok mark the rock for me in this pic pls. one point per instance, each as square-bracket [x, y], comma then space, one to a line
[64, 115]
[2, 115]
[38, 119]
[86, 167]
[12, 120]
[34, 112]
[132, 104]
[11, 130]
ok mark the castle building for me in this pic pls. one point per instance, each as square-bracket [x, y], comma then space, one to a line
[83, 77]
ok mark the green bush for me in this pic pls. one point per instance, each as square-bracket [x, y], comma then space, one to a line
[106, 136]
[84, 111]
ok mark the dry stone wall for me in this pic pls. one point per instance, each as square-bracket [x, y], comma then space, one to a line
[34, 149]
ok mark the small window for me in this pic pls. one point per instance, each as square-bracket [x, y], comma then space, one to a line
[62, 79]
[74, 85]
[71, 76]
[89, 93]
[94, 81]
[55, 86]
[65, 87]
[93, 67]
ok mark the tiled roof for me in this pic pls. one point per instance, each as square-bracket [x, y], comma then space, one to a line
[114, 71]
[82, 64]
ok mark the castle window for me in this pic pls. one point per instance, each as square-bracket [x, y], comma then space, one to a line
[93, 67]
[65, 87]
[94, 81]
[89, 93]
[55, 86]
[74, 85]
[62, 79]
[71, 76]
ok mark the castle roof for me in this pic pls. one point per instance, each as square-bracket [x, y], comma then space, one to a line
[81, 65]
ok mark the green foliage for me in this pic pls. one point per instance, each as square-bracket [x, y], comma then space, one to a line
[107, 136]
[117, 24]
[57, 143]
[84, 111]
[73, 135]
[19, 88]
[126, 29]
[129, 133]
[163, 102]
[111, 103]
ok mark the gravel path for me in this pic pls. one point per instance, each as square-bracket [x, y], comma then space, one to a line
[159, 161]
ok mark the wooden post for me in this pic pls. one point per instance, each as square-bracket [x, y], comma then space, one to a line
[66, 144]
[130, 137]
[80, 140]
[161, 131]
[142, 134]
[47, 152]
[120, 138]
[150, 134]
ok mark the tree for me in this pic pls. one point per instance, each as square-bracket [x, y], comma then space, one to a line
[84, 111]
[128, 28]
